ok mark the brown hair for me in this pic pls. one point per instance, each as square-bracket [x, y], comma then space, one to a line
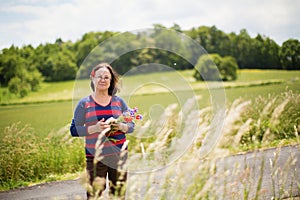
[113, 88]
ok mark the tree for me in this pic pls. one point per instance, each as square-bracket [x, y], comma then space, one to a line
[212, 39]
[89, 41]
[228, 68]
[265, 53]
[243, 49]
[213, 67]
[85, 46]
[176, 27]
[290, 54]
[9, 64]
[206, 69]
[56, 61]
[172, 48]
[62, 67]
[17, 71]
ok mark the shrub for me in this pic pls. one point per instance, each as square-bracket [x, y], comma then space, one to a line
[17, 86]
[213, 67]
[24, 82]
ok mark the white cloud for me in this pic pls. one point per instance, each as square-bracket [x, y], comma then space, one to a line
[36, 21]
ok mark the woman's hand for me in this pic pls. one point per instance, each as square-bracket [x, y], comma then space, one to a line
[102, 125]
[119, 127]
[98, 127]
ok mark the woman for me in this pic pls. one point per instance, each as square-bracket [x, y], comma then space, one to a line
[104, 142]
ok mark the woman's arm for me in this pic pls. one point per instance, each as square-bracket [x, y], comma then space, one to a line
[78, 127]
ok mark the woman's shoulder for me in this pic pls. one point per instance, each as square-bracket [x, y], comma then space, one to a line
[85, 100]
[118, 99]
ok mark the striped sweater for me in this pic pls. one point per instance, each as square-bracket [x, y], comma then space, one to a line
[87, 113]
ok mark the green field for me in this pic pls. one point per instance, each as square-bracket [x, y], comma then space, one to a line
[52, 107]
[43, 117]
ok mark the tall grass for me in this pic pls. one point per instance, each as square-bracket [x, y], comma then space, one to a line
[26, 157]
[274, 118]
[161, 168]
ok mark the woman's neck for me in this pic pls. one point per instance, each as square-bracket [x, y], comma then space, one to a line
[101, 94]
[102, 98]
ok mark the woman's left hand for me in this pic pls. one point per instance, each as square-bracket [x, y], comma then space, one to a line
[115, 127]
[119, 127]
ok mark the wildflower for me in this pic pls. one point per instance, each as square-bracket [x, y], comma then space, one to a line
[130, 115]
[139, 117]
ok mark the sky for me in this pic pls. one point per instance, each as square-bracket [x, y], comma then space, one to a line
[24, 22]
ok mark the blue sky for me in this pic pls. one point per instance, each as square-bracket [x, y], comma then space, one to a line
[24, 22]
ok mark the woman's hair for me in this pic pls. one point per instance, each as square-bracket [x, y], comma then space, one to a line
[113, 88]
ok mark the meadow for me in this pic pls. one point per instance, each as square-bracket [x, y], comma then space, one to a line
[36, 145]
[52, 107]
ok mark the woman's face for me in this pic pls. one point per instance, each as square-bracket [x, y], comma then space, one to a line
[102, 79]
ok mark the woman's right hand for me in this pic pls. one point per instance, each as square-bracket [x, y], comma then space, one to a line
[102, 125]
[98, 127]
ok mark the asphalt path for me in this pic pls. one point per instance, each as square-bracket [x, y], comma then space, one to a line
[277, 170]
[242, 172]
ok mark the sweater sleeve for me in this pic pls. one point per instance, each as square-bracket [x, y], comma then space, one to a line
[78, 128]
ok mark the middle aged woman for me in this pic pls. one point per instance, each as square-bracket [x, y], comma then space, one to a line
[90, 121]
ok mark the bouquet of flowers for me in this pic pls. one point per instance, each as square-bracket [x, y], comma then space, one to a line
[128, 116]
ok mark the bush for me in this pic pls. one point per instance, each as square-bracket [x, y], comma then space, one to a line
[228, 68]
[17, 86]
[25, 82]
[213, 67]
[206, 69]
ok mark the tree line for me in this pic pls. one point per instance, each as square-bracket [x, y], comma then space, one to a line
[22, 69]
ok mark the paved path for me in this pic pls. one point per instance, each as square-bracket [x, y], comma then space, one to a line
[278, 170]
[70, 189]
[231, 170]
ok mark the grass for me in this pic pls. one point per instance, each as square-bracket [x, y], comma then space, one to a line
[57, 91]
[43, 118]
[253, 75]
